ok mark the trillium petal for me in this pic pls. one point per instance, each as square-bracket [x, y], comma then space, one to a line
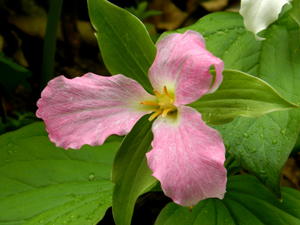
[88, 109]
[259, 14]
[182, 65]
[188, 158]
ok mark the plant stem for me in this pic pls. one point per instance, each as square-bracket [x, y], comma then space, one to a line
[50, 40]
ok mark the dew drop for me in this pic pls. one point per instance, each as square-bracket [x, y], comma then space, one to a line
[274, 142]
[91, 176]
[263, 174]
[73, 195]
[246, 135]
[221, 32]
[283, 131]
[88, 218]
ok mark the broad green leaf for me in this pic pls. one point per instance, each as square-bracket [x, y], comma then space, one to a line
[131, 174]
[247, 202]
[43, 184]
[125, 44]
[240, 94]
[263, 144]
[259, 14]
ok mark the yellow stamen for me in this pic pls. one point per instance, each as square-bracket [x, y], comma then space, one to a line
[166, 92]
[149, 103]
[157, 94]
[154, 115]
[163, 104]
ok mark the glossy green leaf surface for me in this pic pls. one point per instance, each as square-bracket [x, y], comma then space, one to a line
[247, 202]
[295, 11]
[43, 184]
[240, 94]
[130, 171]
[125, 44]
[263, 144]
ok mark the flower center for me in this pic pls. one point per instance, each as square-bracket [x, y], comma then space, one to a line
[163, 105]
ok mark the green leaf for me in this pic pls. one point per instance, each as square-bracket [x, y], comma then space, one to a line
[43, 184]
[294, 13]
[263, 144]
[125, 44]
[240, 94]
[131, 174]
[247, 202]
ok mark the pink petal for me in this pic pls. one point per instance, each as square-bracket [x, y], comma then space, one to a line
[182, 65]
[88, 109]
[188, 158]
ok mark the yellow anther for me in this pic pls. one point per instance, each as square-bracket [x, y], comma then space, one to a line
[166, 92]
[164, 103]
[149, 103]
[157, 94]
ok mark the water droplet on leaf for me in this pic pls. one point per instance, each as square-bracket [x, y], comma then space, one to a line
[10, 152]
[246, 135]
[263, 174]
[91, 176]
[283, 131]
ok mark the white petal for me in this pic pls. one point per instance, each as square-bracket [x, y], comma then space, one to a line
[259, 14]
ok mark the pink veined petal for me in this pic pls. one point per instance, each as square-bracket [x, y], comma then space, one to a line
[188, 158]
[182, 64]
[88, 109]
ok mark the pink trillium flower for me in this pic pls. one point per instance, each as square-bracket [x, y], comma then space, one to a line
[187, 156]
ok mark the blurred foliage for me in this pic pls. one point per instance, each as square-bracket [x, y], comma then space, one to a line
[142, 12]
[19, 120]
[12, 74]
